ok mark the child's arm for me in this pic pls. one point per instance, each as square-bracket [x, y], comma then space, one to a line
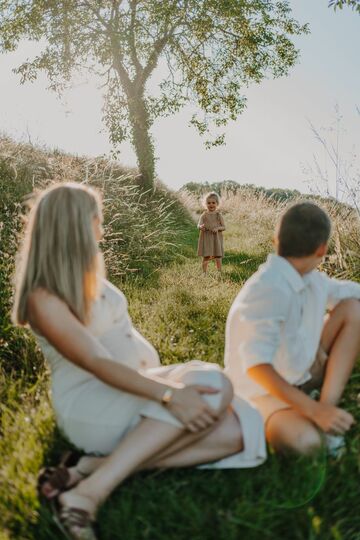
[221, 226]
[327, 417]
[201, 224]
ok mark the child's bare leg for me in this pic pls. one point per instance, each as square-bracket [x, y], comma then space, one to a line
[287, 430]
[341, 339]
[218, 263]
[205, 264]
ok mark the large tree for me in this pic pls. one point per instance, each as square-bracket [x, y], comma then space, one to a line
[212, 49]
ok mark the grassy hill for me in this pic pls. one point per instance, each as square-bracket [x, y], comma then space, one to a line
[149, 247]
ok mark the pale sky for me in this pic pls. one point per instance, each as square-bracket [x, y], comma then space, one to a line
[268, 145]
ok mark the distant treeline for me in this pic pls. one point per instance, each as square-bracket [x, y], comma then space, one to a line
[278, 194]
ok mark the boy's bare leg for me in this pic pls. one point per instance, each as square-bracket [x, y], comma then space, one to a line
[341, 339]
[288, 430]
[218, 263]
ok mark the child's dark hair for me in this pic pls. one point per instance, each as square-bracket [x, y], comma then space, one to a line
[302, 229]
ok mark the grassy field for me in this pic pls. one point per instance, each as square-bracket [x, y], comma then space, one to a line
[183, 314]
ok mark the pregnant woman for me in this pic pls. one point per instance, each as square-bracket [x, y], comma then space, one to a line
[111, 397]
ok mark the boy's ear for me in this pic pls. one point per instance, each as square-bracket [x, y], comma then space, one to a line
[321, 250]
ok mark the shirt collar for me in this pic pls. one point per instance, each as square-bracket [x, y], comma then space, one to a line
[288, 271]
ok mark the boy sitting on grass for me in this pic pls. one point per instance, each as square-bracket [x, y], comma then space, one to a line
[278, 347]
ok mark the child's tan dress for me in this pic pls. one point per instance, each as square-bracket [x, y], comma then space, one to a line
[210, 244]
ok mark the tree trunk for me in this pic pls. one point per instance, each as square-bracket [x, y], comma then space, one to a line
[142, 141]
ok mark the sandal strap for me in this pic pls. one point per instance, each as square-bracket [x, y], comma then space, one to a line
[78, 522]
[57, 477]
[75, 516]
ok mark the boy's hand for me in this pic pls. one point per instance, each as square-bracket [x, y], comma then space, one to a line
[331, 419]
[202, 227]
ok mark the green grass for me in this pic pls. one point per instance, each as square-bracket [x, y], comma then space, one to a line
[183, 314]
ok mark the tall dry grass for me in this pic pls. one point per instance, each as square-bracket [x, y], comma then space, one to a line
[142, 229]
[251, 219]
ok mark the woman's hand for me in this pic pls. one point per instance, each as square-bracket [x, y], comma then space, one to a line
[189, 407]
[202, 227]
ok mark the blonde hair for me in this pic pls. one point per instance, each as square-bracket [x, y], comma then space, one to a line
[209, 195]
[60, 251]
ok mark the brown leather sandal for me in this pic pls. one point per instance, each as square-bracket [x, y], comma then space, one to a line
[74, 523]
[58, 477]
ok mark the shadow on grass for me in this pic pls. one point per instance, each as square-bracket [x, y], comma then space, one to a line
[238, 267]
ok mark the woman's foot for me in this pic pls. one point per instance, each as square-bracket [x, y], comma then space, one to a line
[53, 480]
[75, 515]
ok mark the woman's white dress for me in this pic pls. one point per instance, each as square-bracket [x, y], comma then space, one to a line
[95, 416]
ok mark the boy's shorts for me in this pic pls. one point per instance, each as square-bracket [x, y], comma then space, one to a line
[267, 405]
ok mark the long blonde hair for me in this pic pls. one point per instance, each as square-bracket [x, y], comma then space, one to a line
[60, 251]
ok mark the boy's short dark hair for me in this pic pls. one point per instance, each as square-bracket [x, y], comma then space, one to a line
[302, 229]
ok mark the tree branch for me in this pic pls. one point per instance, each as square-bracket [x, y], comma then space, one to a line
[138, 67]
[96, 12]
[120, 68]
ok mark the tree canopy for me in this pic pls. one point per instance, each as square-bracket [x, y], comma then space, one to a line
[339, 4]
[212, 51]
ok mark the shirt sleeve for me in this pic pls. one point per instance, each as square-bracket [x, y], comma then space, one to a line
[261, 315]
[340, 290]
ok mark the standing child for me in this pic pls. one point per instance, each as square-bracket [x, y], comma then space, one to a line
[211, 224]
[278, 345]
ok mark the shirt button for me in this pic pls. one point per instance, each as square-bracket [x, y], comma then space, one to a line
[128, 334]
[142, 363]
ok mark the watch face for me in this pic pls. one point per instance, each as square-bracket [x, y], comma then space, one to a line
[167, 396]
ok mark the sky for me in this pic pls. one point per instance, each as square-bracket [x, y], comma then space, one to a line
[271, 144]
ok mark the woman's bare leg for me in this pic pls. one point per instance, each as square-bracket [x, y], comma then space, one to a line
[218, 263]
[192, 449]
[341, 339]
[222, 409]
[148, 439]
[225, 439]
[132, 455]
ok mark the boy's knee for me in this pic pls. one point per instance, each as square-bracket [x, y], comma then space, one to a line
[351, 308]
[308, 441]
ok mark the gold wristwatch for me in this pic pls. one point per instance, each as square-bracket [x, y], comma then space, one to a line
[167, 396]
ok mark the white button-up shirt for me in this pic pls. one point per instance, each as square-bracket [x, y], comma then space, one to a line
[277, 318]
